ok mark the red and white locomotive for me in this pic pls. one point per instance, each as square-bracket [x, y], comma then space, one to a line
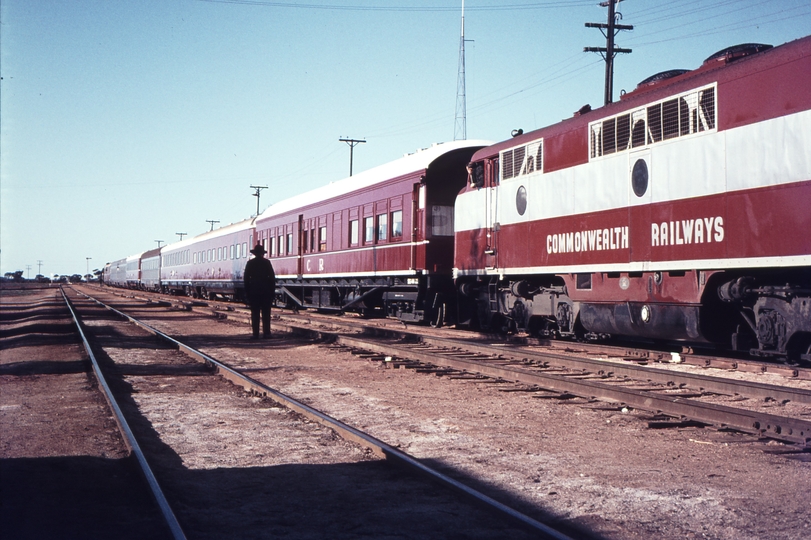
[681, 212]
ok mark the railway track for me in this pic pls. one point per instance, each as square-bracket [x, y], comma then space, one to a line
[627, 354]
[132, 443]
[349, 433]
[676, 397]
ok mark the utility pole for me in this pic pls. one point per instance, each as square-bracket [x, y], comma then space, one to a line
[608, 52]
[212, 221]
[39, 267]
[181, 235]
[352, 144]
[258, 189]
[460, 121]
[28, 269]
[159, 242]
[87, 275]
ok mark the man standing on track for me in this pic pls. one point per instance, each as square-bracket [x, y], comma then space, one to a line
[260, 290]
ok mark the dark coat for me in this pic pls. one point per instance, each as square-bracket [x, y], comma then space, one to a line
[260, 281]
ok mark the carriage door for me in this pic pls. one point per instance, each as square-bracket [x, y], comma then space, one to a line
[301, 239]
[491, 189]
[417, 213]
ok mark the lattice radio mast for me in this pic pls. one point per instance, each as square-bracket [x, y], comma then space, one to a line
[460, 121]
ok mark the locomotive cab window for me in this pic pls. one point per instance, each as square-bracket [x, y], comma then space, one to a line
[476, 174]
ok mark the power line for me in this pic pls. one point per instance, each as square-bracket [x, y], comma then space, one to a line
[559, 4]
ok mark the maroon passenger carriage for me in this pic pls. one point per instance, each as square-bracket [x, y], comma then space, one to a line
[210, 264]
[681, 212]
[379, 242]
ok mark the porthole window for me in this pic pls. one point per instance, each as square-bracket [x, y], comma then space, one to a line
[521, 200]
[639, 177]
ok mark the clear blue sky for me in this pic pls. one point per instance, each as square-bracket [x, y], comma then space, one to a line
[127, 121]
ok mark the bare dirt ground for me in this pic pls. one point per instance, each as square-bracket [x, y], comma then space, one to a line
[602, 473]
[64, 468]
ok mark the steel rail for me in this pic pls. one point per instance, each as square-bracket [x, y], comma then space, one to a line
[772, 426]
[346, 431]
[689, 358]
[129, 436]
[708, 383]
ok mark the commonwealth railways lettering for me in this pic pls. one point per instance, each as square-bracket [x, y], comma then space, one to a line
[667, 233]
[592, 240]
[687, 231]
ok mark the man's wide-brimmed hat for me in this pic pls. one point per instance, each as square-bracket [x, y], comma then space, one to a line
[258, 250]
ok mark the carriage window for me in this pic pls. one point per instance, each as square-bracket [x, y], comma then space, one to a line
[289, 243]
[397, 224]
[353, 232]
[442, 220]
[382, 226]
[280, 244]
[369, 229]
[322, 238]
